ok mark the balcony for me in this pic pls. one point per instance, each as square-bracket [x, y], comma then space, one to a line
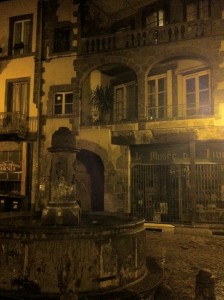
[153, 114]
[16, 126]
[118, 116]
[178, 112]
[126, 39]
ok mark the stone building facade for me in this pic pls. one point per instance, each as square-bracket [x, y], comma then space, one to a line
[19, 104]
[164, 61]
[140, 84]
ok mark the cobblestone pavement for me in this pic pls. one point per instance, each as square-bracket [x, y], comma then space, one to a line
[182, 256]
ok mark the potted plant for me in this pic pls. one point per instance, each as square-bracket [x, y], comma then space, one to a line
[102, 98]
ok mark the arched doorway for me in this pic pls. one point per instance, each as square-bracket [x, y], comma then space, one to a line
[90, 175]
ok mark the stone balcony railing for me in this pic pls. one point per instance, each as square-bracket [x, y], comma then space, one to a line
[17, 123]
[126, 39]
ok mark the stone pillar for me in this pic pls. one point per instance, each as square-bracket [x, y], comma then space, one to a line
[205, 286]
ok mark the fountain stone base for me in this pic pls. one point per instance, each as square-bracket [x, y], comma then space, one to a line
[67, 214]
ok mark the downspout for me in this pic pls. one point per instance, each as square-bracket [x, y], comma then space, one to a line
[38, 85]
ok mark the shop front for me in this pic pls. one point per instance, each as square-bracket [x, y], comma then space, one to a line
[12, 177]
[178, 183]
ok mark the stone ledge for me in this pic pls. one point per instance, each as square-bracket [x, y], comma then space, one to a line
[167, 228]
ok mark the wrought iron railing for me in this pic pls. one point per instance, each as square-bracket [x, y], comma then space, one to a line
[158, 113]
[15, 122]
[153, 114]
[115, 117]
[148, 36]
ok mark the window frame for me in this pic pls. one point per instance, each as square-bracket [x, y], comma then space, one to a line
[156, 111]
[22, 48]
[122, 114]
[198, 109]
[157, 22]
[155, 8]
[11, 104]
[56, 48]
[63, 104]
[199, 10]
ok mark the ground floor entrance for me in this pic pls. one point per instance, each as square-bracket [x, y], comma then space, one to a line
[176, 189]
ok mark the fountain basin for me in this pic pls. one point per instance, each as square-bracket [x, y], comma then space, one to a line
[105, 253]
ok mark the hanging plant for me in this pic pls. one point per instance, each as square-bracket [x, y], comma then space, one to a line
[102, 99]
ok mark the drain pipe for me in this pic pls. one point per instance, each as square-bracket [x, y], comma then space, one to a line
[37, 92]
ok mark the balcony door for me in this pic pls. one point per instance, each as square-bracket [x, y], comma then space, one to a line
[157, 97]
[197, 94]
[125, 102]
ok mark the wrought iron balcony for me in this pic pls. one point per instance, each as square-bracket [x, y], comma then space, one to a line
[153, 114]
[17, 125]
[148, 36]
[117, 116]
[175, 112]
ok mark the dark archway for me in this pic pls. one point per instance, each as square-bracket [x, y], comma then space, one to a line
[95, 169]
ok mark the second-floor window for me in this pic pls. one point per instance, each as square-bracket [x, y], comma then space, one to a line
[197, 94]
[125, 103]
[197, 10]
[155, 19]
[157, 97]
[62, 39]
[18, 96]
[20, 35]
[63, 103]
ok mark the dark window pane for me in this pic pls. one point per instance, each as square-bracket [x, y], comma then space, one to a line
[68, 108]
[58, 99]
[203, 97]
[190, 85]
[69, 98]
[152, 85]
[58, 109]
[62, 39]
[161, 84]
[191, 100]
[203, 82]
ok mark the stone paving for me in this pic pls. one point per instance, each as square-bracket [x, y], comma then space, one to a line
[182, 256]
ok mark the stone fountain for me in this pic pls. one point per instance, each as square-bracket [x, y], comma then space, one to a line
[63, 208]
[67, 254]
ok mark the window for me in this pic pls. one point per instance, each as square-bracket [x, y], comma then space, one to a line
[156, 19]
[197, 10]
[63, 103]
[10, 172]
[197, 94]
[125, 104]
[157, 97]
[20, 35]
[62, 39]
[18, 96]
[10, 165]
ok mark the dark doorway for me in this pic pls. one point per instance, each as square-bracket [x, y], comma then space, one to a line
[95, 169]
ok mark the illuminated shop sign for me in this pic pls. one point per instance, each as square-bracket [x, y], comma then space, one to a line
[205, 152]
[10, 166]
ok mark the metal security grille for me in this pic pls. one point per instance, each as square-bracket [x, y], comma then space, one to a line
[162, 192]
